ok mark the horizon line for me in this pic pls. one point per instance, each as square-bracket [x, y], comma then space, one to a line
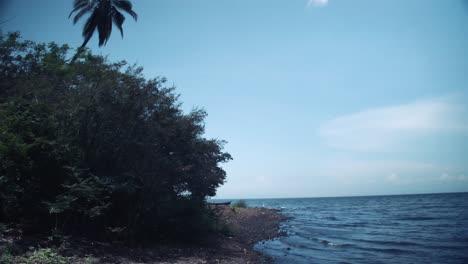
[344, 196]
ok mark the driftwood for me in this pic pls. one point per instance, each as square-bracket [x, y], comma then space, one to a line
[225, 203]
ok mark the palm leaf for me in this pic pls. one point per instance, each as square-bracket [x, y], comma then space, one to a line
[118, 20]
[104, 14]
[79, 4]
[104, 27]
[82, 12]
[90, 27]
[126, 6]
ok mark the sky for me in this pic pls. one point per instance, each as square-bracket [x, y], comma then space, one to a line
[314, 97]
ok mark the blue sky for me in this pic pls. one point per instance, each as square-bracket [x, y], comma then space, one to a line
[315, 98]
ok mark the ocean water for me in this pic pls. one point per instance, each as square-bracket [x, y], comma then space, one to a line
[429, 228]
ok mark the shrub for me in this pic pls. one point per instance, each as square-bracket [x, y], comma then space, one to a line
[239, 204]
[89, 259]
[6, 257]
[94, 146]
[47, 256]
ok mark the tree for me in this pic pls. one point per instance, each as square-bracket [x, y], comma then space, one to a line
[103, 13]
[96, 148]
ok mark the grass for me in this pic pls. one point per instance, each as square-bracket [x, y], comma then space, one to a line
[6, 256]
[47, 256]
[39, 256]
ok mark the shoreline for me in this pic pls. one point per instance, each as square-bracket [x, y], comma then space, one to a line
[250, 226]
[239, 230]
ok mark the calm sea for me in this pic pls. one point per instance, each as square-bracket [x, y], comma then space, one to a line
[429, 228]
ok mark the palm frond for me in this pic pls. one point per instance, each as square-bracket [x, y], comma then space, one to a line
[90, 27]
[104, 28]
[126, 6]
[104, 14]
[82, 13]
[118, 20]
[79, 4]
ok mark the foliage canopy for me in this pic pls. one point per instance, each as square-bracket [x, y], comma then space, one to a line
[95, 148]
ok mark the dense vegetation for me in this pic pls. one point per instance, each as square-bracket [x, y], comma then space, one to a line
[94, 148]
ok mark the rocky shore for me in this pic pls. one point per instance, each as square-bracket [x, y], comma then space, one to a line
[240, 229]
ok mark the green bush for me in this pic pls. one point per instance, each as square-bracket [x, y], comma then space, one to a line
[89, 259]
[239, 204]
[47, 256]
[94, 147]
[6, 257]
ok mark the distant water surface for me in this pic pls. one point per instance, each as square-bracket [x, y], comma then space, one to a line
[429, 228]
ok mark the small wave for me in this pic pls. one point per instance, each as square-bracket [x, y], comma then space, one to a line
[356, 224]
[380, 242]
[388, 250]
[332, 218]
[338, 244]
[415, 218]
[331, 244]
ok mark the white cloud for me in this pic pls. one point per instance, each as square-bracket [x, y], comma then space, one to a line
[447, 178]
[392, 178]
[380, 129]
[462, 178]
[389, 170]
[361, 176]
[318, 3]
[444, 177]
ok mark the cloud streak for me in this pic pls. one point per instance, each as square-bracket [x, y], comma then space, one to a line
[317, 3]
[380, 129]
[390, 170]
[393, 176]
